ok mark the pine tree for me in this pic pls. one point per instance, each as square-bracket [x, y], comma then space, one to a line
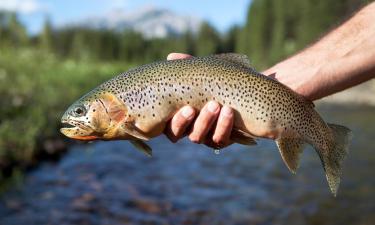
[188, 43]
[110, 47]
[78, 48]
[2, 26]
[256, 37]
[46, 38]
[208, 40]
[18, 34]
[230, 39]
[132, 46]
[242, 44]
[276, 29]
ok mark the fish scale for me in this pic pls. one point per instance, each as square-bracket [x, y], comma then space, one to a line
[137, 105]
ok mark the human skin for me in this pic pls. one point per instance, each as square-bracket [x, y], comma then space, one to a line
[341, 59]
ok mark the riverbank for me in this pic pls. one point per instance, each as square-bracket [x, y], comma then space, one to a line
[361, 95]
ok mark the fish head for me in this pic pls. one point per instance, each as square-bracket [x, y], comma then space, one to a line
[97, 115]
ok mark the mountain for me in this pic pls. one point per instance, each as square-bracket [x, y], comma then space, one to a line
[151, 22]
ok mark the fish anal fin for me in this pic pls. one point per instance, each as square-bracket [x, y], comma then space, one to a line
[240, 59]
[143, 147]
[290, 150]
[242, 137]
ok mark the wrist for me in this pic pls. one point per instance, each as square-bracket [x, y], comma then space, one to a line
[298, 72]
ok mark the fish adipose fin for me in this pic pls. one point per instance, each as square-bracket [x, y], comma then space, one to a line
[141, 146]
[290, 150]
[242, 137]
[333, 158]
[240, 59]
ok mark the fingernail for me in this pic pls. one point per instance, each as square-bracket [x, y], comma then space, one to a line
[226, 111]
[213, 107]
[187, 112]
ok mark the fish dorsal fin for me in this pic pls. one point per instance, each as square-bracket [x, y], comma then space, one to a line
[240, 59]
[290, 150]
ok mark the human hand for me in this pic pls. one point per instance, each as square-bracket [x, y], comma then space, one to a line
[212, 125]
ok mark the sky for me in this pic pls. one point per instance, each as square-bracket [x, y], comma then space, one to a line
[221, 13]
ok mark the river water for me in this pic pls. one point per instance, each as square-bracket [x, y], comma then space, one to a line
[184, 183]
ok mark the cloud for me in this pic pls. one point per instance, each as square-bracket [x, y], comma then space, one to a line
[22, 6]
[118, 3]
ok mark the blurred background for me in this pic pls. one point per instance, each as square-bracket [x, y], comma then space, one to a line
[52, 52]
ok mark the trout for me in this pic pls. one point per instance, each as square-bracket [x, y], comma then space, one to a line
[136, 106]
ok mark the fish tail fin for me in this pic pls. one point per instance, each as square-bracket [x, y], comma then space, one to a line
[332, 159]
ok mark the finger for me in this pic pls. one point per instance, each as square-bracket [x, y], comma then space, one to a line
[204, 122]
[224, 126]
[173, 56]
[180, 121]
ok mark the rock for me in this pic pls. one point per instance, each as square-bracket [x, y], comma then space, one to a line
[147, 205]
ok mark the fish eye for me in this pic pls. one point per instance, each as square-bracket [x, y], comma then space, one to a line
[79, 111]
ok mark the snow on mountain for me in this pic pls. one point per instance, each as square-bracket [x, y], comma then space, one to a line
[151, 22]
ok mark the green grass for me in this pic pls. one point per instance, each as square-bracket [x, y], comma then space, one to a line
[35, 89]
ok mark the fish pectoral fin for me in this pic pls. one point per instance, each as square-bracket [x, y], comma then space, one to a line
[242, 137]
[134, 131]
[139, 137]
[143, 147]
[290, 150]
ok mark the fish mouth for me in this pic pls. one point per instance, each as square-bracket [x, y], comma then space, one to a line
[67, 125]
[77, 130]
[71, 124]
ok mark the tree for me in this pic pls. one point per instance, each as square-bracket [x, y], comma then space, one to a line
[276, 29]
[3, 26]
[18, 34]
[46, 38]
[230, 39]
[109, 45]
[132, 46]
[208, 40]
[255, 38]
[188, 42]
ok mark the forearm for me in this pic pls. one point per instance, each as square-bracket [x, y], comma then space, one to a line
[343, 58]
